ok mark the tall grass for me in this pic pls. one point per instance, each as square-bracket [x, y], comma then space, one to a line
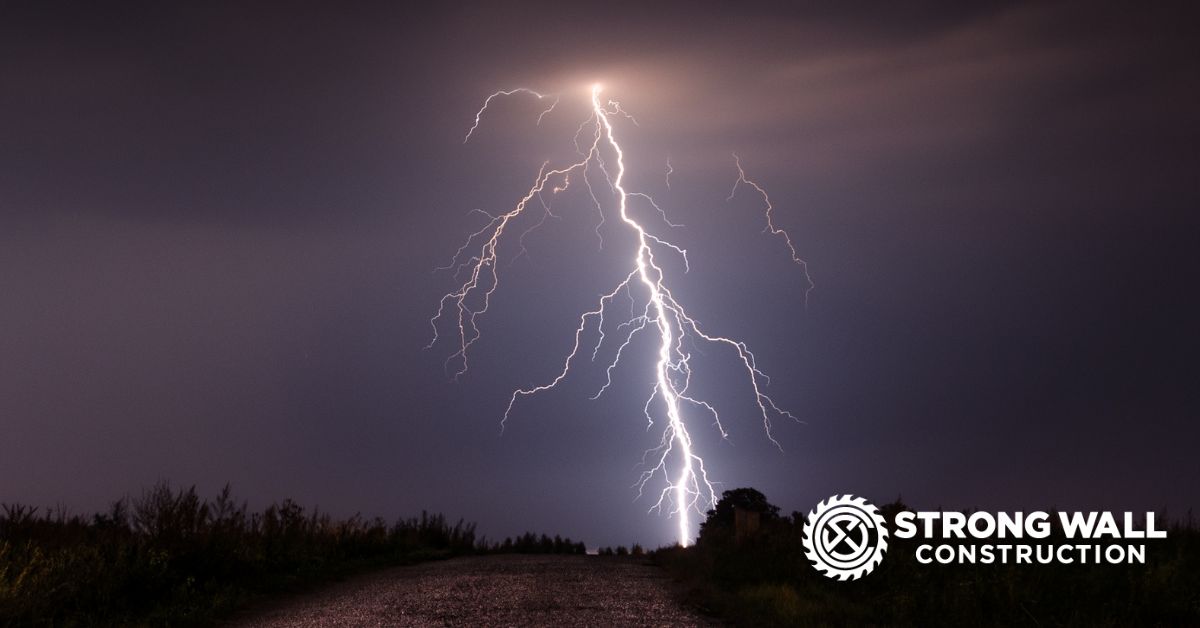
[171, 557]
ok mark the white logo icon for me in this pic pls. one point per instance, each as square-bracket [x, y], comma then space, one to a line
[845, 537]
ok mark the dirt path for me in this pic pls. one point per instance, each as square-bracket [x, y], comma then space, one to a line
[492, 591]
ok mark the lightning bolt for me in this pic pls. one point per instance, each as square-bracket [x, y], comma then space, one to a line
[776, 231]
[686, 484]
[510, 92]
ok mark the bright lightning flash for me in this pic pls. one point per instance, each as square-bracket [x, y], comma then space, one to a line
[687, 486]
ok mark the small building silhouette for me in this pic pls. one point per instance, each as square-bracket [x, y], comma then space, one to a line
[745, 523]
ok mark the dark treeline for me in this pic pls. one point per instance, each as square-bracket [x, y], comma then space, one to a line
[621, 550]
[530, 543]
[171, 557]
[765, 579]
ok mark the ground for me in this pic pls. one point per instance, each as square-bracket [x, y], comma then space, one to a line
[551, 590]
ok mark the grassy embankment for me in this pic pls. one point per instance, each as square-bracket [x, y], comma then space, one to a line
[172, 558]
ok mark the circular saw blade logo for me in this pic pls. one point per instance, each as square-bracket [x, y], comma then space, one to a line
[845, 537]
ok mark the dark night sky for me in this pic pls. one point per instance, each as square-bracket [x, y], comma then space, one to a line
[218, 226]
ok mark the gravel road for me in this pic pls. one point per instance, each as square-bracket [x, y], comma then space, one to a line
[491, 591]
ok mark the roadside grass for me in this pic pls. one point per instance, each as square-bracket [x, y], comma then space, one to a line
[172, 558]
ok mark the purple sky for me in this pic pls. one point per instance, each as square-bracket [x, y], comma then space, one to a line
[218, 227]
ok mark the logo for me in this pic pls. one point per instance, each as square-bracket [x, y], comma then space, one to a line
[845, 537]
